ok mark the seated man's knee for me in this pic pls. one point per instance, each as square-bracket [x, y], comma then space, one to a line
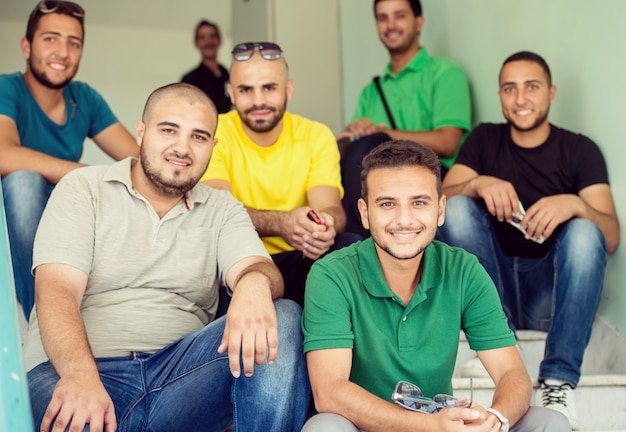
[582, 234]
[329, 423]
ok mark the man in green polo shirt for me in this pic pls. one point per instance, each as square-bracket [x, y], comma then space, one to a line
[391, 308]
[428, 98]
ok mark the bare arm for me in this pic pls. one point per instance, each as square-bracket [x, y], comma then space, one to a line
[117, 142]
[79, 397]
[15, 157]
[594, 202]
[251, 330]
[304, 235]
[513, 385]
[499, 195]
[444, 141]
[329, 372]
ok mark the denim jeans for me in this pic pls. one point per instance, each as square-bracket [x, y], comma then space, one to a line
[25, 196]
[558, 293]
[187, 386]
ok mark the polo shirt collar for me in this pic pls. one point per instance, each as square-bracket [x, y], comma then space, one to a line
[418, 62]
[374, 280]
[120, 172]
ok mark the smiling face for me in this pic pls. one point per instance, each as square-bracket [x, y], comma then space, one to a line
[398, 28]
[54, 54]
[176, 143]
[526, 95]
[260, 89]
[402, 210]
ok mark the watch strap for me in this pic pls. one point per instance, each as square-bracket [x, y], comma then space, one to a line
[503, 420]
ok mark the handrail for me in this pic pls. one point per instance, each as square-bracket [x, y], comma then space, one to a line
[15, 412]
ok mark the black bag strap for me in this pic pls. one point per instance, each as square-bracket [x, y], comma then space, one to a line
[376, 80]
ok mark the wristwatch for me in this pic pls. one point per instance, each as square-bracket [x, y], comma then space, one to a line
[503, 420]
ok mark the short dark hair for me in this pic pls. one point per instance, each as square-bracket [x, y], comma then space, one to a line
[60, 7]
[416, 6]
[531, 57]
[400, 153]
[210, 24]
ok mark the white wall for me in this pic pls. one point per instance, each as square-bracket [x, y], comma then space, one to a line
[581, 41]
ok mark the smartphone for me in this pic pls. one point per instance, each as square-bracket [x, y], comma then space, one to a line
[314, 217]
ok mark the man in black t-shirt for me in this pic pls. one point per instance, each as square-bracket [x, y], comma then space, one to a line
[210, 76]
[532, 201]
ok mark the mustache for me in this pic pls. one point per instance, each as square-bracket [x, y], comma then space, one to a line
[260, 108]
[185, 157]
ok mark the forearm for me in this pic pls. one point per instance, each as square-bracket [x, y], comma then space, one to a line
[268, 222]
[261, 274]
[468, 188]
[63, 332]
[339, 217]
[367, 411]
[23, 158]
[512, 395]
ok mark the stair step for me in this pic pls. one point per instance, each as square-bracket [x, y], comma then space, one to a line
[601, 392]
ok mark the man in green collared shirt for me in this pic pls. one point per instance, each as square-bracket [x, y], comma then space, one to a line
[391, 308]
[428, 98]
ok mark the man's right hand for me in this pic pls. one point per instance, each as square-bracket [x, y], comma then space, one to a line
[77, 400]
[499, 195]
[298, 226]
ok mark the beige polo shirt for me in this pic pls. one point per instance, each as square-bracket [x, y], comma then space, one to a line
[151, 280]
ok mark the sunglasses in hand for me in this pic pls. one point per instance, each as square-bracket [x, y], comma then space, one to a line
[410, 396]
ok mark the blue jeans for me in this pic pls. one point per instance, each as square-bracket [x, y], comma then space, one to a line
[187, 386]
[26, 194]
[558, 293]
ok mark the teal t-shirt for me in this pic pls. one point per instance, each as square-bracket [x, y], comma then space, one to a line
[429, 93]
[87, 115]
[349, 305]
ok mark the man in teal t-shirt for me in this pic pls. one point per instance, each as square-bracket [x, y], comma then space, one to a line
[391, 309]
[45, 117]
[428, 98]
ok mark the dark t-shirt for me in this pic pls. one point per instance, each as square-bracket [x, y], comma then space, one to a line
[214, 86]
[565, 164]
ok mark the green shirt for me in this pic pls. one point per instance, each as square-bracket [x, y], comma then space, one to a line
[429, 93]
[349, 305]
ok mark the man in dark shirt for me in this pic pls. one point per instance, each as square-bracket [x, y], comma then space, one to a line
[210, 76]
[532, 201]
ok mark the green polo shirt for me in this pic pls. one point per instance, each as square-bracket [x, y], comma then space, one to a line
[349, 305]
[430, 92]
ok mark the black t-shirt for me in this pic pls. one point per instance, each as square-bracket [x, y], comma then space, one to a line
[214, 86]
[565, 164]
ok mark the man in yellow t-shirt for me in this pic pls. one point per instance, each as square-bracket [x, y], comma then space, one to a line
[279, 165]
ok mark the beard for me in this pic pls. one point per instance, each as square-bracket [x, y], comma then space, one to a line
[170, 187]
[263, 125]
[541, 118]
[42, 78]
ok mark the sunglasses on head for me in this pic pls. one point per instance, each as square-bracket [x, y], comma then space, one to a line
[268, 50]
[54, 6]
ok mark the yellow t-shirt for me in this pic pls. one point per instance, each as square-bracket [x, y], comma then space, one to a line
[276, 177]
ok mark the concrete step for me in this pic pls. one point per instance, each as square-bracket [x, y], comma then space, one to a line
[601, 392]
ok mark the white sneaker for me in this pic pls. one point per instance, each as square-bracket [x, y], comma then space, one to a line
[559, 396]
[474, 369]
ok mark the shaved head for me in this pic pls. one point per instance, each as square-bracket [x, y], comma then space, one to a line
[187, 92]
[259, 89]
